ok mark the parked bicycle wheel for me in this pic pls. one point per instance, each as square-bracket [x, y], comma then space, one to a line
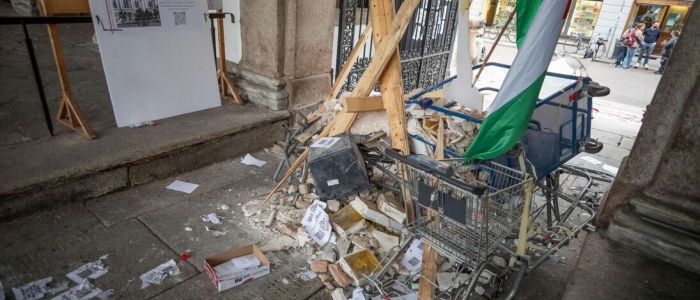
[493, 31]
[572, 45]
[601, 51]
[512, 35]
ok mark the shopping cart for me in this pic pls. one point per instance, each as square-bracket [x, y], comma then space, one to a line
[461, 211]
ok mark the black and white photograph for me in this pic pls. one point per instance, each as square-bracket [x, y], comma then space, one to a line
[136, 13]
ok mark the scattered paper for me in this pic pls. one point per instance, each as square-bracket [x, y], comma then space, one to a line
[414, 256]
[33, 290]
[591, 160]
[182, 186]
[90, 270]
[216, 232]
[317, 223]
[56, 288]
[105, 295]
[84, 291]
[308, 275]
[610, 169]
[410, 107]
[252, 161]
[211, 218]
[157, 275]
[325, 142]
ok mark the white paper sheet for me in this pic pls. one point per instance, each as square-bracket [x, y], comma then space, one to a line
[157, 275]
[413, 258]
[215, 4]
[32, 291]
[252, 161]
[90, 270]
[182, 186]
[325, 142]
[591, 160]
[211, 218]
[610, 169]
[84, 291]
[317, 223]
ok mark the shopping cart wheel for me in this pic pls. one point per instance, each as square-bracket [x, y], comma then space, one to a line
[592, 146]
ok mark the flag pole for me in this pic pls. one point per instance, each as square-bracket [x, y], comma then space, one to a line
[498, 38]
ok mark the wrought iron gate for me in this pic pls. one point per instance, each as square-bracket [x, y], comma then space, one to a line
[424, 49]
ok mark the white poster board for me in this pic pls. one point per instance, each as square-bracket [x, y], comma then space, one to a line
[157, 57]
[460, 89]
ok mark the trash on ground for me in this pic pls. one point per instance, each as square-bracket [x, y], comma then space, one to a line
[273, 258]
[105, 295]
[285, 281]
[252, 161]
[157, 275]
[182, 186]
[317, 223]
[55, 288]
[185, 256]
[90, 270]
[358, 265]
[84, 291]
[254, 263]
[211, 218]
[216, 232]
[413, 258]
[33, 290]
[591, 160]
[307, 275]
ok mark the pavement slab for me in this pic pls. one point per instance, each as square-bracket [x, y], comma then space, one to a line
[169, 223]
[131, 248]
[118, 207]
[609, 270]
[269, 287]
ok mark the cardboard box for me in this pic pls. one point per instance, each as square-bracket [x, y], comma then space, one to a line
[347, 221]
[245, 275]
[358, 265]
[370, 212]
[392, 207]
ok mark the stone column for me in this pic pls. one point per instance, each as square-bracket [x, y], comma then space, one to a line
[286, 51]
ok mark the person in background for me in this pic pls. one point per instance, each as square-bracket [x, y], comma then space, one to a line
[651, 36]
[623, 52]
[632, 46]
[666, 50]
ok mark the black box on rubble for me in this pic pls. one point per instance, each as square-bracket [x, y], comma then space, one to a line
[337, 167]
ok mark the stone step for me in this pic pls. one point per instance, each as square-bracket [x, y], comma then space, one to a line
[68, 168]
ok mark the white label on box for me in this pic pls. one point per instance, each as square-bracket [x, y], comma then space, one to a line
[333, 182]
[325, 142]
[317, 223]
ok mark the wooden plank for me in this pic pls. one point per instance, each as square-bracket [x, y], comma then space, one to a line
[343, 121]
[427, 283]
[65, 7]
[361, 104]
[440, 147]
[225, 81]
[309, 132]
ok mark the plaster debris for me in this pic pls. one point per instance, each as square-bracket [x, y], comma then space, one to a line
[285, 281]
[279, 243]
[251, 208]
[444, 267]
[273, 258]
[499, 261]
[386, 242]
[307, 275]
[333, 205]
[90, 270]
[451, 280]
[338, 294]
[329, 254]
[343, 245]
[225, 207]
[216, 232]
[303, 189]
[189, 228]
[157, 275]
[211, 218]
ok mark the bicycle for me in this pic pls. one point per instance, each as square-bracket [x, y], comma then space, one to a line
[510, 32]
[576, 43]
[598, 47]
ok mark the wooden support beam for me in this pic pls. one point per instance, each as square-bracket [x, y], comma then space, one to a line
[493, 47]
[440, 146]
[361, 104]
[69, 113]
[343, 121]
[224, 81]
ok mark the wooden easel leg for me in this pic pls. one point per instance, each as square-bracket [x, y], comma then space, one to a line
[226, 84]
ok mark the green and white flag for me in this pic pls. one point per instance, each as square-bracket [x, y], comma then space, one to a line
[511, 111]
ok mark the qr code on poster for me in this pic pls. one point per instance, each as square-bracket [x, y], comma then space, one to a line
[180, 18]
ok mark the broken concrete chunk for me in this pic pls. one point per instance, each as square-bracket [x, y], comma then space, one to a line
[499, 261]
[329, 255]
[252, 208]
[343, 245]
[319, 266]
[338, 294]
[333, 205]
[300, 204]
[362, 242]
[448, 280]
[292, 216]
[444, 267]
[340, 277]
[374, 243]
[292, 189]
[387, 242]
[279, 243]
[479, 290]
[303, 189]
[364, 194]
[289, 229]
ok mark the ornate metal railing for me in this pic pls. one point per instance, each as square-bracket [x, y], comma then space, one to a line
[424, 49]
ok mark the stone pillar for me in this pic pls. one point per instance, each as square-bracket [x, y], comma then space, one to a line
[654, 203]
[286, 50]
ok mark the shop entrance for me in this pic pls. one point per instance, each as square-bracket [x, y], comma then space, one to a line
[670, 15]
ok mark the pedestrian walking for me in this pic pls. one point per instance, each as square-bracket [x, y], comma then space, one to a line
[666, 50]
[651, 37]
[633, 38]
[622, 54]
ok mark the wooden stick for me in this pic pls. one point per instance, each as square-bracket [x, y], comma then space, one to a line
[343, 121]
[225, 81]
[440, 147]
[493, 47]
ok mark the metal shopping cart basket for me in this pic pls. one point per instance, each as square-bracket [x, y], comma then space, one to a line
[463, 211]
